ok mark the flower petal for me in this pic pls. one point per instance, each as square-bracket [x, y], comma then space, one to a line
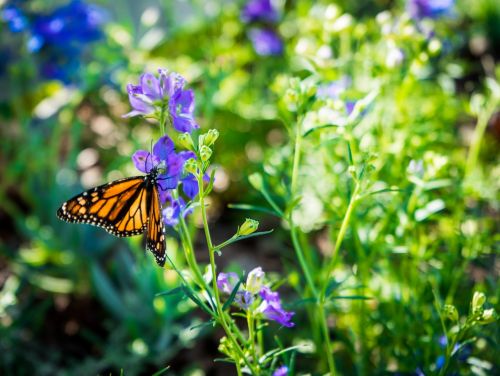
[144, 161]
[163, 148]
[150, 86]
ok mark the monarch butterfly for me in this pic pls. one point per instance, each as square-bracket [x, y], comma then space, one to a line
[124, 207]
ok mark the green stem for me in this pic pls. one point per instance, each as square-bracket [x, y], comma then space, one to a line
[211, 252]
[326, 335]
[340, 238]
[293, 229]
[251, 335]
[482, 123]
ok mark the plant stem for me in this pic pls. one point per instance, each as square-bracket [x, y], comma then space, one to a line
[340, 238]
[293, 228]
[211, 252]
[251, 335]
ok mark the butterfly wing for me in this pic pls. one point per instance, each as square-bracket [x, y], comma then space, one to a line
[155, 237]
[119, 207]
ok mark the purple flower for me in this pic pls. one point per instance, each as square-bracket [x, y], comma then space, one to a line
[259, 10]
[227, 281]
[266, 42]
[163, 154]
[282, 371]
[148, 97]
[419, 9]
[244, 299]
[174, 210]
[271, 307]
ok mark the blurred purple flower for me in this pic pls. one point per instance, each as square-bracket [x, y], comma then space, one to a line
[333, 89]
[146, 97]
[259, 10]
[70, 25]
[174, 209]
[244, 299]
[419, 9]
[163, 152]
[440, 362]
[59, 37]
[266, 42]
[271, 307]
[282, 371]
[227, 281]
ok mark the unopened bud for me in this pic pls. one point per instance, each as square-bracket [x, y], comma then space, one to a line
[210, 137]
[478, 300]
[450, 312]
[248, 227]
[205, 153]
[488, 316]
[255, 280]
[191, 166]
[186, 141]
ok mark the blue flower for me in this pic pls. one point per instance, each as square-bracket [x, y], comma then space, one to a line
[419, 9]
[282, 371]
[59, 37]
[271, 307]
[14, 17]
[152, 94]
[266, 42]
[259, 10]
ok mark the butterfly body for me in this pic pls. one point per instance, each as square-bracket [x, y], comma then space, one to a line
[124, 207]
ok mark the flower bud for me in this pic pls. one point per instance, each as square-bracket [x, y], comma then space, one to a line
[210, 137]
[205, 153]
[255, 280]
[248, 227]
[186, 141]
[488, 316]
[478, 300]
[191, 166]
[256, 181]
[450, 312]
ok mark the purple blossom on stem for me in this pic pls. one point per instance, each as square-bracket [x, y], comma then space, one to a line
[419, 9]
[174, 210]
[163, 152]
[282, 371]
[227, 281]
[271, 307]
[266, 42]
[152, 95]
[259, 10]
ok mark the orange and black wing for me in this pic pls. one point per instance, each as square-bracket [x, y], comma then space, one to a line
[155, 237]
[119, 207]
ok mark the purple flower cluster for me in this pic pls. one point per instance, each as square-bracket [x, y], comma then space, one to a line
[265, 40]
[58, 37]
[256, 296]
[154, 95]
[171, 166]
[419, 9]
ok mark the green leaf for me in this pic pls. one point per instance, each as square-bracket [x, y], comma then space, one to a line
[211, 183]
[230, 300]
[384, 191]
[203, 324]
[352, 297]
[234, 240]
[175, 291]
[161, 372]
[319, 127]
[349, 154]
[254, 208]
